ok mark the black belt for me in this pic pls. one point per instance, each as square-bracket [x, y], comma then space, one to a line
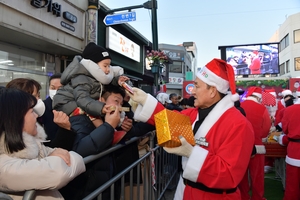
[202, 187]
[294, 140]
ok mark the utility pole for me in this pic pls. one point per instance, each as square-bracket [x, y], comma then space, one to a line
[155, 40]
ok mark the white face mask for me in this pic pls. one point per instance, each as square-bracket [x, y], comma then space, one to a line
[39, 108]
[52, 93]
[122, 117]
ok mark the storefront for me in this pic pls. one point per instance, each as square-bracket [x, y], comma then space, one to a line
[36, 37]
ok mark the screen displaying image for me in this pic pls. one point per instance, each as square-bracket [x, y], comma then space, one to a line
[253, 59]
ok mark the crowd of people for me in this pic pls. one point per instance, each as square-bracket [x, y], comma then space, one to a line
[43, 142]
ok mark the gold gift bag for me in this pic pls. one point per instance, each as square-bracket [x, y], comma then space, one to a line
[170, 125]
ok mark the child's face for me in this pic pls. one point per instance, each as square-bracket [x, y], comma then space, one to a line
[105, 65]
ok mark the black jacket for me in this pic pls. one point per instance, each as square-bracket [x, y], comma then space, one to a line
[172, 106]
[90, 140]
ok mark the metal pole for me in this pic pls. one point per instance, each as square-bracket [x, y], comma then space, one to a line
[155, 39]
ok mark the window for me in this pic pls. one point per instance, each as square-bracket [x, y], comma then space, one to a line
[176, 67]
[297, 36]
[297, 64]
[287, 66]
[284, 43]
[282, 68]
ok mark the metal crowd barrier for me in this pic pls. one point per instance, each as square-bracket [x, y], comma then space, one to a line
[157, 169]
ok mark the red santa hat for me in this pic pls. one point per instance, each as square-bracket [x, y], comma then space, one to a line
[286, 92]
[219, 74]
[254, 91]
[298, 92]
[271, 91]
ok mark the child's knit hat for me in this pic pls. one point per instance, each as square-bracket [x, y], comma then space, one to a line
[95, 53]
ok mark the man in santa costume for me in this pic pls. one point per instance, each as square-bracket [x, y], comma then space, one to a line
[280, 106]
[291, 139]
[258, 116]
[213, 168]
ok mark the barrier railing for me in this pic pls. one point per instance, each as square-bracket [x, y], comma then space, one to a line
[156, 172]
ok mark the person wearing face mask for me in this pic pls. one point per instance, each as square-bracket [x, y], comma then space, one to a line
[47, 118]
[64, 136]
[258, 116]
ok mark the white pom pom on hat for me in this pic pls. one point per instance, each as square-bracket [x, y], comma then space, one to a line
[219, 74]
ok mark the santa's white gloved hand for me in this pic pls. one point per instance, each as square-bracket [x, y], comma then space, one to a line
[184, 150]
[138, 95]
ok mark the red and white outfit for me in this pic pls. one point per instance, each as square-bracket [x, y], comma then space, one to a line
[291, 138]
[258, 116]
[220, 165]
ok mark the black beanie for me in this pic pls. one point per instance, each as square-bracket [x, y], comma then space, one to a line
[95, 53]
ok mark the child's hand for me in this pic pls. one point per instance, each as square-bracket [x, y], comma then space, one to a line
[122, 79]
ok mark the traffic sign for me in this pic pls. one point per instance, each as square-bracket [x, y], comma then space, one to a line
[119, 18]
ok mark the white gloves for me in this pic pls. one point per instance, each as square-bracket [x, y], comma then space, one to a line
[138, 95]
[184, 150]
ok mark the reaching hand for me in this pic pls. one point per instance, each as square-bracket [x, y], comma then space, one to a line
[113, 118]
[184, 150]
[122, 79]
[138, 95]
[62, 153]
[61, 119]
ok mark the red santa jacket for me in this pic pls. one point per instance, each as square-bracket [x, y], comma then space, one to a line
[291, 128]
[278, 115]
[223, 163]
[259, 118]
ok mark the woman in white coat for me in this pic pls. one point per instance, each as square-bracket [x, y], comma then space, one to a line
[25, 163]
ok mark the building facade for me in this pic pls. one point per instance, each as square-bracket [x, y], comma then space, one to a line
[288, 36]
[181, 65]
[38, 36]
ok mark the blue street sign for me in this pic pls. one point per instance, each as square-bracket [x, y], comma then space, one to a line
[119, 18]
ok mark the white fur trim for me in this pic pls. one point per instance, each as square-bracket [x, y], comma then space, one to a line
[280, 139]
[143, 113]
[235, 97]
[292, 161]
[297, 93]
[179, 190]
[282, 102]
[214, 115]
[97, 72]
[260, 149]
[273, 93]
[212, 79]
[297, 101]
[257, 94]
[195, 163]
[286, 92]
[117, 70]
[32, 143]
